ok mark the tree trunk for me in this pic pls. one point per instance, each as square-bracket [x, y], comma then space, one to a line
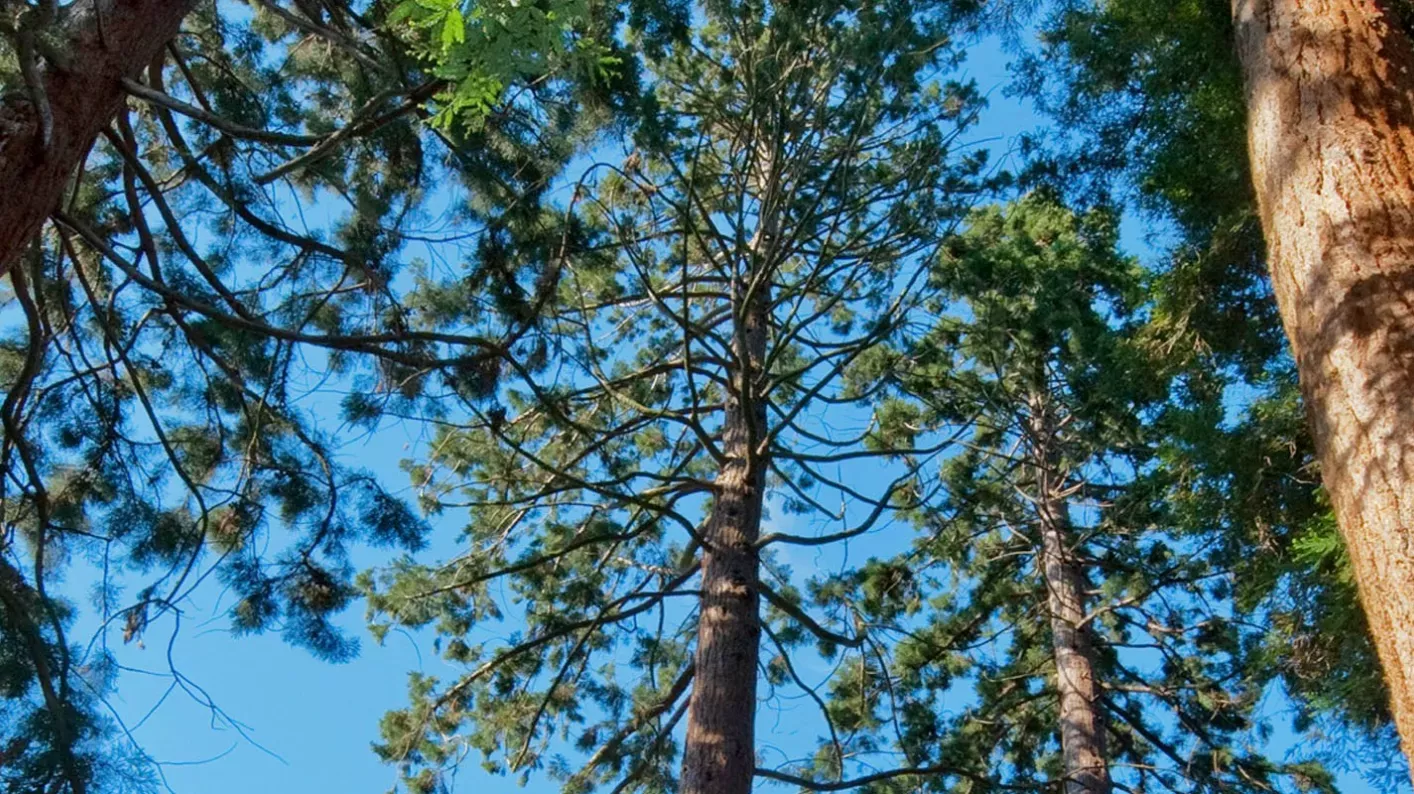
[105, 41]
[719, 756]
[1330, 96]
[1082, 727]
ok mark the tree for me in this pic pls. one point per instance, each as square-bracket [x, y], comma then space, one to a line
[166, 329]
[1054, 578]
[1031, 278]
[77, 66]
[1328, 93]
[792, 173]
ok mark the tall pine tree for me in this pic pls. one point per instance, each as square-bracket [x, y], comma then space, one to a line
[1063, 626]
[794, 170]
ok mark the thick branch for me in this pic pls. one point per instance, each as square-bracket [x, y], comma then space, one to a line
[82, 101]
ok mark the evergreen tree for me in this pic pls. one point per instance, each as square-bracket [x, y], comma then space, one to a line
[1063, 628]
[1329, 92]
[236, 237]
[793, 170]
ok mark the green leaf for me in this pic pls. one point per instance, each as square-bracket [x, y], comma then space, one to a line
[453, 28]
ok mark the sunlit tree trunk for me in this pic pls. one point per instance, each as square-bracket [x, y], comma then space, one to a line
[103, 41]
[1330, 94]
[1082, 726]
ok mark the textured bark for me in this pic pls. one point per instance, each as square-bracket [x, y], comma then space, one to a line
[1082, 726]
[719, 756]
[105, 41]
[1330, 95]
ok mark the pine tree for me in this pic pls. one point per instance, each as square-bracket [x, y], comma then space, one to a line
[237, 234]
[1082, 625]
[792, 171]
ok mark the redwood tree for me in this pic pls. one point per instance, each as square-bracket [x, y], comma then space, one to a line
[1330, 119]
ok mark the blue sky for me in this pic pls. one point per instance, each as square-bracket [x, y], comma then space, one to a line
[306, 725]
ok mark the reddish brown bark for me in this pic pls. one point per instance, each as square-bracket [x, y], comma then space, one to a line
[1082, 726]
[1330, 94]
[107, 41]
[719, 756]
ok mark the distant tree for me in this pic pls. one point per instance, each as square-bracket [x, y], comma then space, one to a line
[1062, 627]
[794, 169]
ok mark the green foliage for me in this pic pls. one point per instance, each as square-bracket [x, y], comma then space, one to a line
[237, 247]
[480, 49]
[1152, 97]
[1041, 320]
